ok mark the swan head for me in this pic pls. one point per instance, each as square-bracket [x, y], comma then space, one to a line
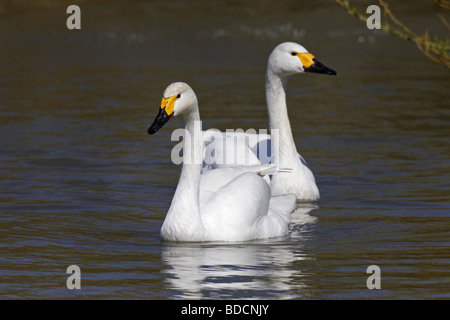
[289, 58]
[178, 99]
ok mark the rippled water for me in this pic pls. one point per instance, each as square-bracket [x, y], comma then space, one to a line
[82, 183]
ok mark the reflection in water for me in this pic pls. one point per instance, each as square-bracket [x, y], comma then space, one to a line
[82, 183]
[255, 269]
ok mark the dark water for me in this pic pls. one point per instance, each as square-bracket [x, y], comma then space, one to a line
[82, 183]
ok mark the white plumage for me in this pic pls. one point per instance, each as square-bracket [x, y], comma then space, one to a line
[223, 204]
[285, 60]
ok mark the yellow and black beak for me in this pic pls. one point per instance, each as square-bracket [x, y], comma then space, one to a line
[165, 114]
[311, 64]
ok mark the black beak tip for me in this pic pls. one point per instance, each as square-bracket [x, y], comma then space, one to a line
[159, 122]
[318, 67]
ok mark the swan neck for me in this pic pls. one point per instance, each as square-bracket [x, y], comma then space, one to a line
[192, 155]
[279, 119]
[184, 212]
[275, 89]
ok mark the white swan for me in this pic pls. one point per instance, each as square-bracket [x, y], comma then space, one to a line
[229, 204]
[285, 60]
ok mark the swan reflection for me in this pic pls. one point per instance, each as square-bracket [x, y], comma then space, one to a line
[255, 269]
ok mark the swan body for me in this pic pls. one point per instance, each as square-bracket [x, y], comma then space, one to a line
[223, 204]
[285, 60]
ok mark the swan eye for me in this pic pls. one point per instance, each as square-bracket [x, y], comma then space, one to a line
[178, 96]
[293, 53]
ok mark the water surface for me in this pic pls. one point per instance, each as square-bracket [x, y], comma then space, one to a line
[82, 183]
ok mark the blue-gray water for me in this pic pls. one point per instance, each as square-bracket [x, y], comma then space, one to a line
[82, 183]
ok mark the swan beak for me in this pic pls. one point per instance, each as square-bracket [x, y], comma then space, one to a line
[311, 64]
[165, 114]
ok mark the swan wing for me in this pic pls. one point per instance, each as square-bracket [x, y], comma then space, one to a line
[233, 211]
[212, 181]
[243, 208]
[234, 149]
[237, 149]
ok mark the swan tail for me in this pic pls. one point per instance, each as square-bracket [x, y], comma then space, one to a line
[277, 222]
[286, 203]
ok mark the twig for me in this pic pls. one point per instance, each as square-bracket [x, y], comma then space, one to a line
[436, 50]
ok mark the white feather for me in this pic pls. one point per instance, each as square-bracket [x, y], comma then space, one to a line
[299, 180]
[223, 204]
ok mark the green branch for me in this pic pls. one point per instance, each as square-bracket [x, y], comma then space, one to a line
[433, 48]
